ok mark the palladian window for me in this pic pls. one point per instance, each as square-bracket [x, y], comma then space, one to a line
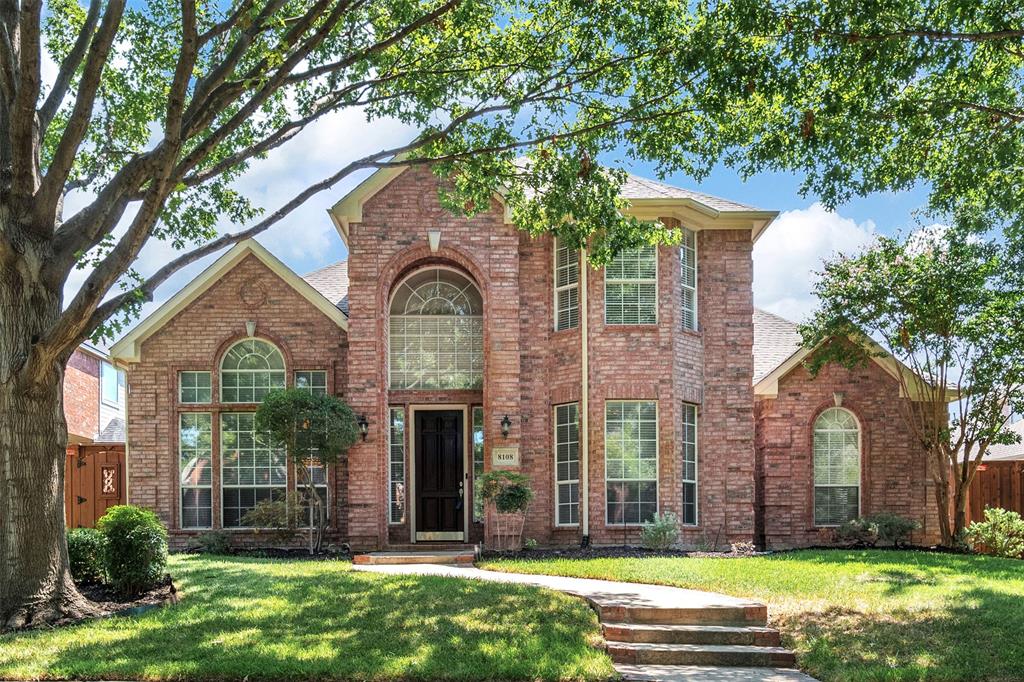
[836, 467]
[436, 332]
[251, 369]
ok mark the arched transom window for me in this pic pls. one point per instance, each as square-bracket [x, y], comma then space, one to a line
[436, 325]
[250, 370]
[836, 467]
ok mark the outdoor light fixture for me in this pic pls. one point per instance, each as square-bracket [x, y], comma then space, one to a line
[506, 424]
[364, 425]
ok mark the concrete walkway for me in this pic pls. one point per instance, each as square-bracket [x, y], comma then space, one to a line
[617, 602]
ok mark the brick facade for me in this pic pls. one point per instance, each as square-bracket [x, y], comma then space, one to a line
[82, 395]
[894, 468]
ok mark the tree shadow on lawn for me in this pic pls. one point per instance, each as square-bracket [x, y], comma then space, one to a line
[236, 623]
[983, 566]
[978, 637]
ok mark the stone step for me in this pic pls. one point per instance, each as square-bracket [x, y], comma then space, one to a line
[708, 673]
[746, 615]
[462, 557]
[690, 634]
[642, 653]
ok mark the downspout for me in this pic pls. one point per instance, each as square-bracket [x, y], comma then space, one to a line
[585, 400]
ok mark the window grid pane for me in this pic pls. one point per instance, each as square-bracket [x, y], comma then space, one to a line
[478, 462]
[688, 278]
[567, 464]
[253, 468]
[317, 476]
[250, 370]
[631, 287]
[194, 387]
[836, 467]
[567, 295]
[195, 475]
[689, 464]
[631, 461]
[396, 466]
[313, 382]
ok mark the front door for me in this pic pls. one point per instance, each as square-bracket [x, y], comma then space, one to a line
[439, 475]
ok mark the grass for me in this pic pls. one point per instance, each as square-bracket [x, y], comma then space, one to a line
[265, 619]
[858, 615]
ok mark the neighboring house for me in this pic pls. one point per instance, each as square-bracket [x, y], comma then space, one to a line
[466, 345]
[95, 394]
[999, 481]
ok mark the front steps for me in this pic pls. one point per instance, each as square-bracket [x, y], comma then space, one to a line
[461, 557]
[719, 635]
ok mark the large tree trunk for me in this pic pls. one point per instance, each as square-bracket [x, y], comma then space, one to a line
[35, 580]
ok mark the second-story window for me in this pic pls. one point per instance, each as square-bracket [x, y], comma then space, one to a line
[688, 278]
[631, 287]
[567, 287]
[111, 383]
[312, 381]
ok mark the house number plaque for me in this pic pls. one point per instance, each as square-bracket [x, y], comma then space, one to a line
[505, 456]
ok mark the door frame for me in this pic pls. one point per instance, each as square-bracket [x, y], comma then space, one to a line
[466, 454]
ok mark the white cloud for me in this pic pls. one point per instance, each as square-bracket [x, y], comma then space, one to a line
[791, 251]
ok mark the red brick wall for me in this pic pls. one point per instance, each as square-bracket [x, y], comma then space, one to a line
[195, 339]
[82, 394]
[894, 474]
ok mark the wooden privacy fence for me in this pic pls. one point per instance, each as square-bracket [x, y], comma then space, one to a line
[94, 481]
[997, 484]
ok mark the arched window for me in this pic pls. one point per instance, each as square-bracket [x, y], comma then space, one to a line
[250, 370]
[836, 467]
[436, 325]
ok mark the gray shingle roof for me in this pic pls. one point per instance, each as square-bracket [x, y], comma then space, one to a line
[113, 432]
[775, 340]
[644, 188]
[332, 281]
[1008, 453]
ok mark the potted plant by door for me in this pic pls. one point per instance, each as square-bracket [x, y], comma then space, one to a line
[509, 494]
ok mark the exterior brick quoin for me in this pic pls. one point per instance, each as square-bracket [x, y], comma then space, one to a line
[755, 481]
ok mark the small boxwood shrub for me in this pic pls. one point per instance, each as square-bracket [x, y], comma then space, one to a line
[661, 533]
[893, 529]
[859, 532]
[85, 554]
[212, 542]
[1001, 533]
[135, 554]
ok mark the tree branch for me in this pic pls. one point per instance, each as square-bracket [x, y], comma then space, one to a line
[24, 151]
[68, 68]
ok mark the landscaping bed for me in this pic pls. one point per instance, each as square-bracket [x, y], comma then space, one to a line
[608, 553]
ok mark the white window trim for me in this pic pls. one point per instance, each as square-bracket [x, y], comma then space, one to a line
[696, 283]
[182, 488]
[405, 467]
[657, 464]
[183, 372]
[570, 481]
[116, 402]
[657, 295]
[221, 370]
[220, 447]
[565, 287]
[860, 469]
[696, 467]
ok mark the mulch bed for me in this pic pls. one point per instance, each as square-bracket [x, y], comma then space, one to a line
[287, 553]
[610, 553]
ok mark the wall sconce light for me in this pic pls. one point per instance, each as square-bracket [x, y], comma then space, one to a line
[506, 424]
[364, 425]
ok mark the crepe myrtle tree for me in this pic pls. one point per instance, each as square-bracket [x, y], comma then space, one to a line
[316, 431]
[949, 308]
[157, 107]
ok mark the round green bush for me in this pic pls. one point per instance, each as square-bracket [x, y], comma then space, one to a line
[85, 554]
[135, 556]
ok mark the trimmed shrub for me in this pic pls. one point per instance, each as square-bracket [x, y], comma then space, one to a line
[661, 533]
[509, 491]
[85, 554]
[892, 528]
[859, 532]
[1001, 533]
[212, 542]
[135, 553]
[279, 520]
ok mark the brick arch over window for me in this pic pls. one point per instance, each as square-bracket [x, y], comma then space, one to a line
[837, 451]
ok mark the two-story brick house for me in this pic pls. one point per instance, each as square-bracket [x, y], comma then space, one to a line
[466, 345]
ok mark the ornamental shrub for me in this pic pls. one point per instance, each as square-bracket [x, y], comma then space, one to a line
[860, 532]
[509, 491]
[85, 554]
[661, 533]
[1001, 533]
[135, 550]
[892, 528]
[212, 542]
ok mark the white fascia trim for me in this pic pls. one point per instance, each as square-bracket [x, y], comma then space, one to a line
[129, 348]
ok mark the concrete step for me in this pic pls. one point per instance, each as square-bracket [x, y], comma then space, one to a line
[690, 634]
[748, 615]
[707, 673]
[392, 558]
[642, 653]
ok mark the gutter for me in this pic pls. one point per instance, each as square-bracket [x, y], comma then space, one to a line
[585, 400]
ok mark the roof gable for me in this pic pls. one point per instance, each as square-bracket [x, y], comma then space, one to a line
[129, 348]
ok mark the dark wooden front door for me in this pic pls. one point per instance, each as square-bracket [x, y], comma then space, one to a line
[439, 475]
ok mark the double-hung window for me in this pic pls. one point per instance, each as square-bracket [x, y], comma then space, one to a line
[688, 278]
[253, 467]
[567, 464]
[631, 287]
[567, 287]
[631, 461]
[836, 467]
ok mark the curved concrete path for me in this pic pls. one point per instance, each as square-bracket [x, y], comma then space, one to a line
[613, 599]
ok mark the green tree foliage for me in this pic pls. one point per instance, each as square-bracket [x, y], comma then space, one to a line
[135, 548]
[944, 311]
[316, 430]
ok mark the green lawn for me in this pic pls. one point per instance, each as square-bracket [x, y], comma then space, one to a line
[858, 615]
[315, 620]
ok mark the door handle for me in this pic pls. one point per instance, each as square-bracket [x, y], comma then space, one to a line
[462, 489]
